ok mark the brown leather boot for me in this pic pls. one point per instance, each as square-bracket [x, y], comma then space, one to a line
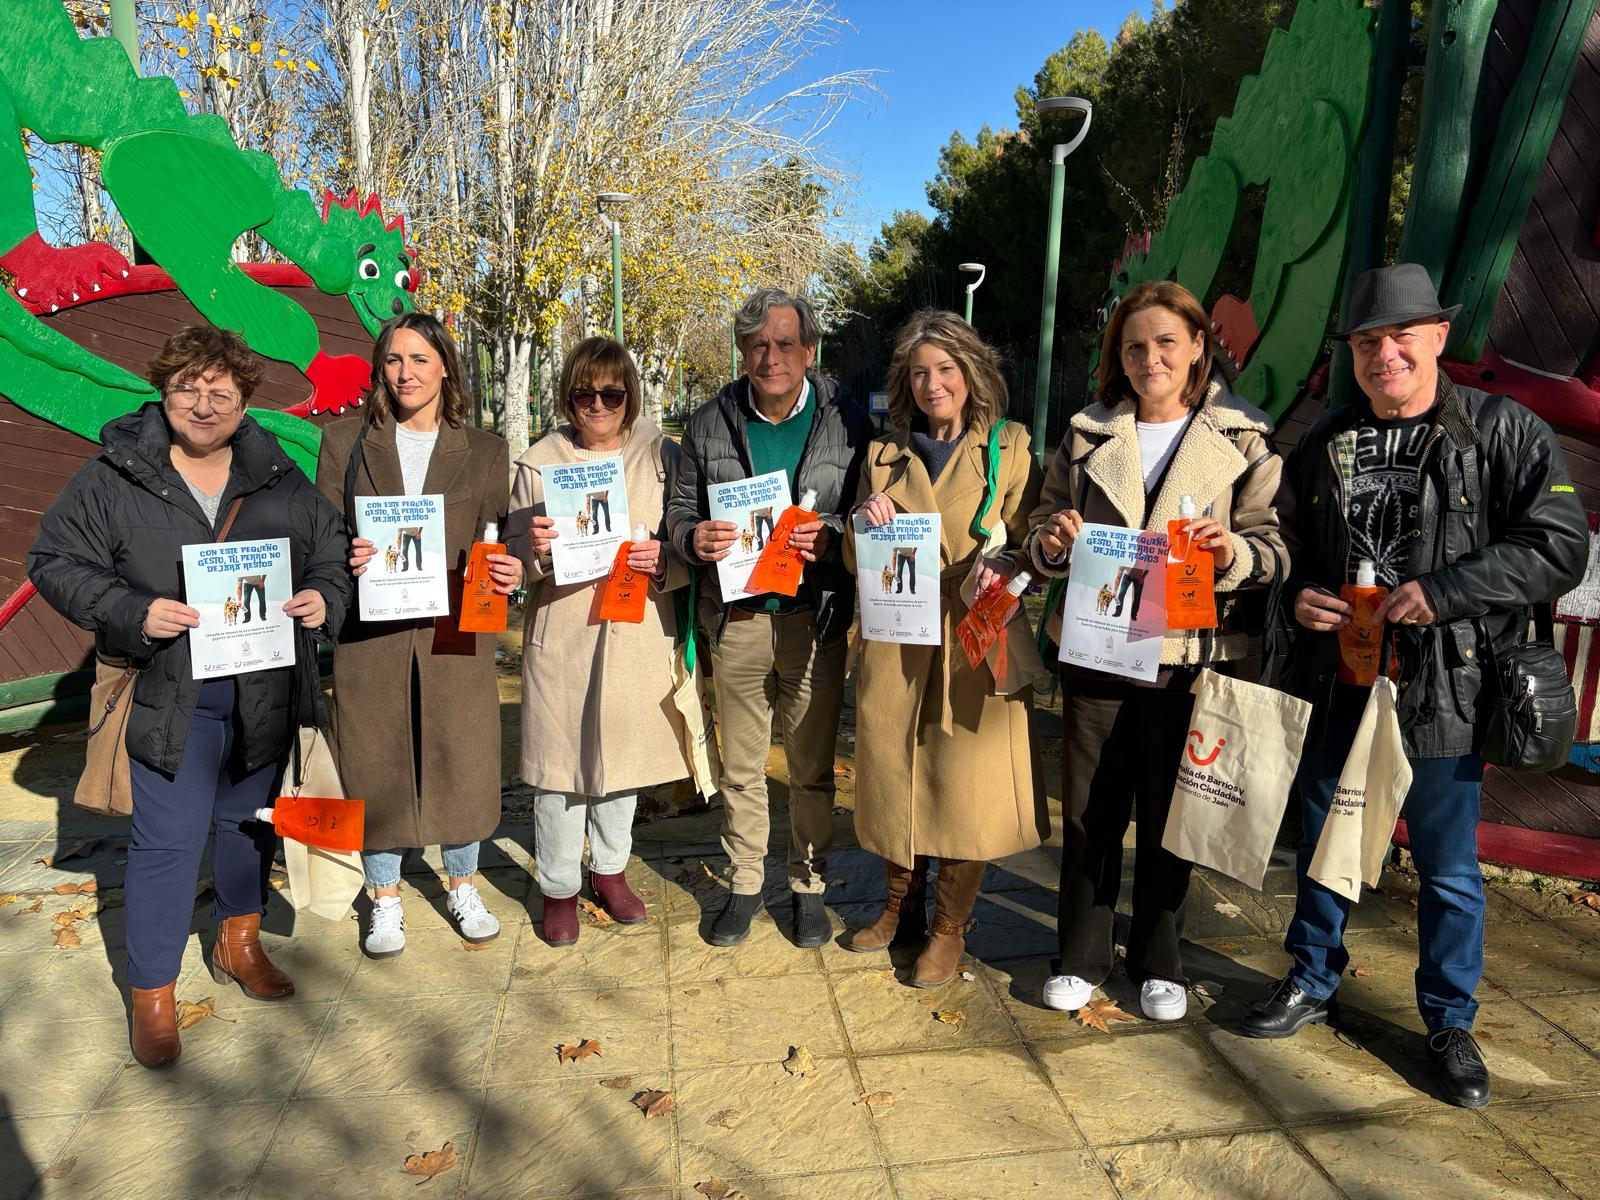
[955, 892]
[154, 1035]
[905, 912]
[238, 956]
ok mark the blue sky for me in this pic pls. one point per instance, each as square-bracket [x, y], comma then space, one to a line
[944, 65]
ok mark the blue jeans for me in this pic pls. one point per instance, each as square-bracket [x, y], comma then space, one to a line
[382, 867]
[1441, 812]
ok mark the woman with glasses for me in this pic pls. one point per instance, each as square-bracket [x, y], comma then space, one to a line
[598, 722]
[203, 756]
[416, 713]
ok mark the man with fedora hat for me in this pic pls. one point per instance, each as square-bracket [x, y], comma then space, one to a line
[1462, 503]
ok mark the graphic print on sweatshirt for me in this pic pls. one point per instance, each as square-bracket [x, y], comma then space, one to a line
[1382, 497]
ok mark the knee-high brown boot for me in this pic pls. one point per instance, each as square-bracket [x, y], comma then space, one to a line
[154, 1035]
[238, 956]
[955, 892]
[905, 912]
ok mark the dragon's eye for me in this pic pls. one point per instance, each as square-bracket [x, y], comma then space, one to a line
[368, 269]
[402, 280]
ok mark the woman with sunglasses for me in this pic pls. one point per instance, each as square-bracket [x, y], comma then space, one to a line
[598, 722]
[416, 706]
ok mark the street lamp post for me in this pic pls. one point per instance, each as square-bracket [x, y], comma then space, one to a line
[1052, 258]
[980, 270]
[608, 203]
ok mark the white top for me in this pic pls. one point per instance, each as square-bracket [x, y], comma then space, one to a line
[799, 407]
[1158, 442]
[414, 449]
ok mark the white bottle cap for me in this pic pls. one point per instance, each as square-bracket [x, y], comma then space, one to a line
[640, 533]
[491, 532]
[1366, 574]
[264, 814]
[1019, 583]
[1186, 508]
[808, 500]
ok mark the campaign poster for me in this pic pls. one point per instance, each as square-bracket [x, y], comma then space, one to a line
[897, 579]
[1115, 613]
[589, 503]
[754, 506]
[408, 578]
[239, 590]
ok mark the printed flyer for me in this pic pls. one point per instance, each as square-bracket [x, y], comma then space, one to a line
[239, 589]
[897, 579]
[589, 504]
[1115, 613]
[754, 506]
[408, 578]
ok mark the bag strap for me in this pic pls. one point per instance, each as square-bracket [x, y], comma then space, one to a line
[129, 673]
[233, 513]
[684, 608]
[1269, 635]
[991, 482]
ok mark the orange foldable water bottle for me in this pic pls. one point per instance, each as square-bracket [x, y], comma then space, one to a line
[986, 620]
[623, 594]
[325, 821]
[1191, 575]
[483, 610]
[1361, 637]
[780, 566]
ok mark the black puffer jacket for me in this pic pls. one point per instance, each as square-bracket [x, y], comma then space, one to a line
[716, 450]
[113, 541]
[1500, 528]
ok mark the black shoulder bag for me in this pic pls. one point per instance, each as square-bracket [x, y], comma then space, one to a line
[1527, 712]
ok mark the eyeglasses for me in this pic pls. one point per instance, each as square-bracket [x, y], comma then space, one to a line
[185, 396]
[612, 398]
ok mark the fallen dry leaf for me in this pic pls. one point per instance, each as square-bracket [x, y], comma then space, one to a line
[875, 1100]
[929, 1002]
[1097, 1014]
[715, 1189]
[799, 1062]
[67, 938]
[431, 1163]
[78, 848]
[598, 916]
[584, 1049]
[476, 946]
[950, 1016]
[727, 1118]
[191, 1014]
[606, 996]
[1228, 908]
[70, 917]
[1360, 972]
[1225, 946]
[1588, 900]
[654, 1103]
[33, 908]
[617, 1082]
[8, 899]
[72, 889]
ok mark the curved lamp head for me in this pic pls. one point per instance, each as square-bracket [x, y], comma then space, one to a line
[977, 269]
[1067, 104]
[609, 199]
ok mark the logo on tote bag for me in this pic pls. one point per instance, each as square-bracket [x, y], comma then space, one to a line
[1199, 738]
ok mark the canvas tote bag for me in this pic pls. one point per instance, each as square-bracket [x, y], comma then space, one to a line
[1367, 801]
[322, 882]
[688, 697]
[1238, 766]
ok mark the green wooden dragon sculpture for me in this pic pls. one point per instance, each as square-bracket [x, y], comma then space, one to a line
[187, 192]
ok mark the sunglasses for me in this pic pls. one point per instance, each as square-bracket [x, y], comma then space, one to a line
[612, 398]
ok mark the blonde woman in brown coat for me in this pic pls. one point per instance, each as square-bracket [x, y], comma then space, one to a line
[598, 721]
[945, 766]
[1163, 425]
[416, 706]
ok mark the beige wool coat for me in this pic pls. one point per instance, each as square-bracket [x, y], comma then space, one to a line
[405, 693]
[1226, 462]
[597, 711]
[945, 767]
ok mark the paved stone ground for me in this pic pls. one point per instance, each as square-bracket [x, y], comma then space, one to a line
[327, 1094]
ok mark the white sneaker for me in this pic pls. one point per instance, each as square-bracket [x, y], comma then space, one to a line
[1067, 993]
[474, 922]
[1163, 1000]
[387, 937]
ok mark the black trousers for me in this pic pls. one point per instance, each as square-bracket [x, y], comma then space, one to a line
[1120, 749]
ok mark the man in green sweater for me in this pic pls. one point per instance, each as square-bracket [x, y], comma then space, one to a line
[772, 654]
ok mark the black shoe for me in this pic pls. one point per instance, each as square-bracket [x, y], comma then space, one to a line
[732, 925]
[811, 924]
[1458, 1067]
[1285, 1011]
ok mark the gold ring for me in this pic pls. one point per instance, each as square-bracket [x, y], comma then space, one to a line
[1408, 620]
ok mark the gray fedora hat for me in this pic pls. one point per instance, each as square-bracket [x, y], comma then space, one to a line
[1393, 296]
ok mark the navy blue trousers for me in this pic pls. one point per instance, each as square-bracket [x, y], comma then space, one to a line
[210, 797]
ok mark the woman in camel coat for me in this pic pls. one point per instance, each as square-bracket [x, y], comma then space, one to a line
[945, 767]
[598, 721]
